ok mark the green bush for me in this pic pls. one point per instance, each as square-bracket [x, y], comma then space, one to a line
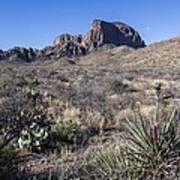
[149, 149]
[2, 83]
[66, 133]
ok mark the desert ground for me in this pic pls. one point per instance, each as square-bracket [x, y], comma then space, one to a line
[82, 103]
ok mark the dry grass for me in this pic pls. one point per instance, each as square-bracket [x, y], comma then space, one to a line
[97, 94]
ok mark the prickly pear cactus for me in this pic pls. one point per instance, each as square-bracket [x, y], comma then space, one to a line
[33, 136]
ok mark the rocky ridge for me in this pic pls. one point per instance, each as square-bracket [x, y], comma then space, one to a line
[101, 35]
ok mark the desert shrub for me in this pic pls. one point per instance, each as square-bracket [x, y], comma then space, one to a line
[7, 160]
[118, 87]
[101, 165]
[2, 83]
[65, 134]
[23, 127]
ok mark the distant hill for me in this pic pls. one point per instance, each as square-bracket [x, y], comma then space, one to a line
[164, 53]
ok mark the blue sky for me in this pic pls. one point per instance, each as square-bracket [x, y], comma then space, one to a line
[36, 23]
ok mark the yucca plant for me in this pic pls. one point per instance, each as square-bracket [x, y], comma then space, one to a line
[151, 151]
[146, 151]
[151, 148]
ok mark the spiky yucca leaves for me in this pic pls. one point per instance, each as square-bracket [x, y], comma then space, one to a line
[151, 151]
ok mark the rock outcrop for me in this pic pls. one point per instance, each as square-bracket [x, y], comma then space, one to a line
[116, 33]
[102, 35]
[22, 54]
[67, 45]
[65, 38]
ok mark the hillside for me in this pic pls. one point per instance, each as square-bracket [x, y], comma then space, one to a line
[84, 99]
[164, 53]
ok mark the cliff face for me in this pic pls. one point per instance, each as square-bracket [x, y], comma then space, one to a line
[116, 33]
[101, 34]
[64, 38]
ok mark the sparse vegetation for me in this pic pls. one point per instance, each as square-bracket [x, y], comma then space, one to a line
[2, 83]
[62, 121]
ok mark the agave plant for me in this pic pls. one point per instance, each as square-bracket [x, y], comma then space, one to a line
[151, 151]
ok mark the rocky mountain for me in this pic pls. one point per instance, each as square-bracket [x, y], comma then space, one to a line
[102, 35]
[115, 33]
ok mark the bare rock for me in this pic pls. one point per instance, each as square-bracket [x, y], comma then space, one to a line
[115, 33]
[62, 39]
[19, 53]
[66, 45]
[65, 38]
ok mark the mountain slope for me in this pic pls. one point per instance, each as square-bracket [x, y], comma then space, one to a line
[164, 53]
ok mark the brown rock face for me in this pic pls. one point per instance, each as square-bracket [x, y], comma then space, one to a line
[69, 48]
[102, 35]
[20, 54]
[65, 38]
[67, 45]
[115, 33]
